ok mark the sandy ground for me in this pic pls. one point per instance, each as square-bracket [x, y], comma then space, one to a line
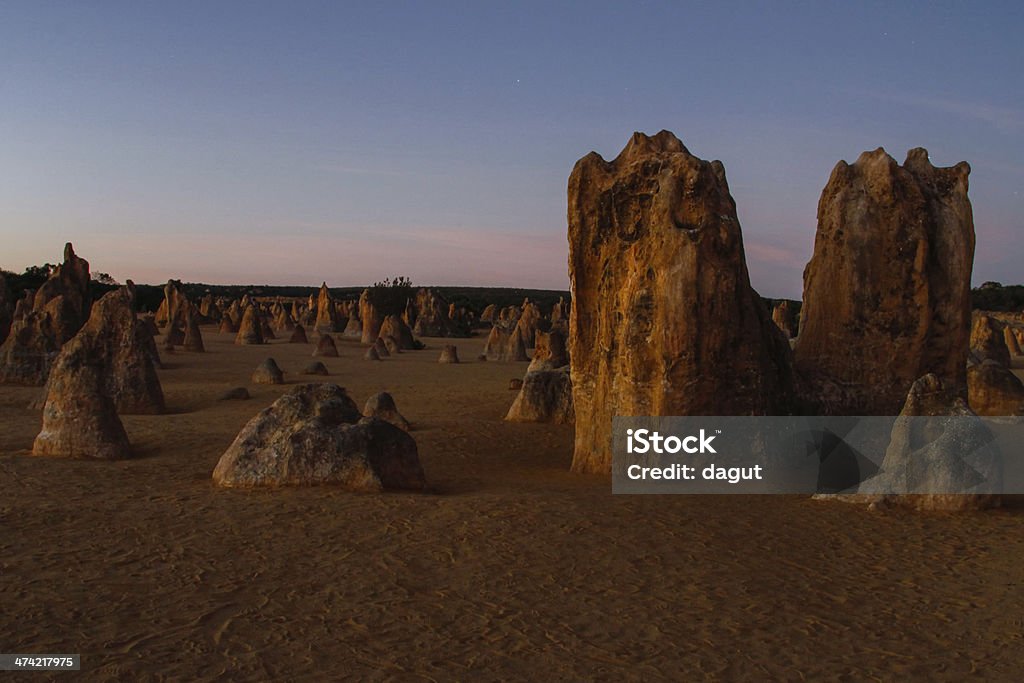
[510, 568]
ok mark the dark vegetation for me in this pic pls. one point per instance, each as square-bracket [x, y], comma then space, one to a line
[993, 296]
[390, 294]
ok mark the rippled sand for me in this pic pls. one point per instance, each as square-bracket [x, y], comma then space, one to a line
[510, 568]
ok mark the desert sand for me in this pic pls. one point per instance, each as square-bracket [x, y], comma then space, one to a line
[510, 567]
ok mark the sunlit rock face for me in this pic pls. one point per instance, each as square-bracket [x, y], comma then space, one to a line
[887, 291]
[663, 318]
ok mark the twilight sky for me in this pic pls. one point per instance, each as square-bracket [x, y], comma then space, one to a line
[292, 142]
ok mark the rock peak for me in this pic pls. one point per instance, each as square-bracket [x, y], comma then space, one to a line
[664, 142]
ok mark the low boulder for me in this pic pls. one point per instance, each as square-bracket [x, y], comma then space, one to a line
[314, 434]
[545, 396]
[326, 347]
[268, 372]
[315, 368]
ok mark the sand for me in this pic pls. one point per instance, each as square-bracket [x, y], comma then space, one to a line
[509, 568]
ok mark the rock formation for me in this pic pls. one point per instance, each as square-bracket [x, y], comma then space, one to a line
[381, 347]
[545, 396]
[193, 340]
[173, 313]
[250, 330]
[209, 310]
[370, 318]
[314, 434]
[783, 316]
[6, 310]
[993, 390]
[987, 341]
[394, 327]
[549, 351]
[45, 321]
[530, 321]
[315, 368]
[449, 354]
[1012, 345]
[227, 327]
[504, 344]
[268, 372]
[69, 283]
[489, 312]
[371, 354]
[382, 406]
[104, 369]
[326, 314]
[354, 327]
[266, 330]
[664, 320]
[938, 455]
[326, 347]
[560, 312]
[432, 317]
[391, 345]
[298, 336]
[887, 291]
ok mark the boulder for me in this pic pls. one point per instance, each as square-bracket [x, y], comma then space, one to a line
[268, 372]
[945, 460]
[236, 394]
[326, 347]
[993, 389]
[663, 319]
[887, 295]
[315, 368]
[314, 434]
[382, 406]
[449, 354]
[545, 396]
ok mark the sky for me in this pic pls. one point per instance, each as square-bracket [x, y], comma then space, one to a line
[295, 142]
